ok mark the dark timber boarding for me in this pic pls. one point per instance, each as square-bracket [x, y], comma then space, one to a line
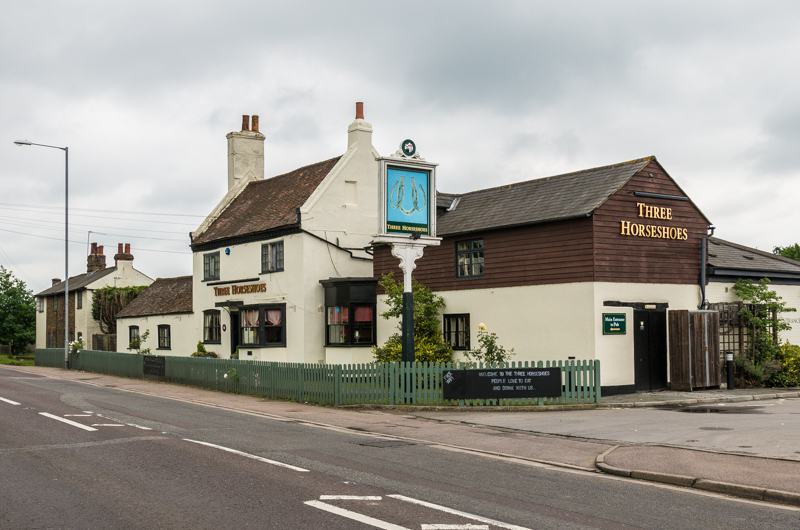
[641, 259]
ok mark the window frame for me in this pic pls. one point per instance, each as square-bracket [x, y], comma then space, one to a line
[131, 337]
[40, 304]
[167, 336]
[55, 303]
[263, 327]
[351, 325]
[469, 252]
[78, 299]
[218, 327]
[448, 333]
[207, 272]
[267, 250]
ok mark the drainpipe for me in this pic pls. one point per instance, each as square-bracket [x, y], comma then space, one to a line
[702, 273]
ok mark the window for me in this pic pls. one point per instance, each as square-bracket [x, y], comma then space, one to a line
[351, 325]
[211, 327]
[456, 331]
[79, 299]
[40, 304]
[211, 266]
[134, 342]
[164, 341]
[51, 339]
[469, 258]
[263, 325]
[55, 304]
[272, 257]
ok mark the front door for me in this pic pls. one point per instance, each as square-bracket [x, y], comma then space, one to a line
[234, 332]
[650, 350]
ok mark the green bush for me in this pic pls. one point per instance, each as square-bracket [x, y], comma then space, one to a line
[789, 375]
[490, 351]
[202, 352]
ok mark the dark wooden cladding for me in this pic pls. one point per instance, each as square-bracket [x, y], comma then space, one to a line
[693, 350]
[557, 252]
[680, 372]
[577, 250]
[633, 259]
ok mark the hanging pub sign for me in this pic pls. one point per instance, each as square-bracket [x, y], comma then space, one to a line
[613, 323]
[408, 193]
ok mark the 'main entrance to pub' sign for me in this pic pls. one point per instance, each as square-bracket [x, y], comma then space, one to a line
[613, 323]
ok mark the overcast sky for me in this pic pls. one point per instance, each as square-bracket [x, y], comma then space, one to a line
[143, 94]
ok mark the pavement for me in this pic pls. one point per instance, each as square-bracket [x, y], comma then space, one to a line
[758, 459]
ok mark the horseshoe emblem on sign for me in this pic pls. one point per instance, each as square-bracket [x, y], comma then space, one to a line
[417, 204]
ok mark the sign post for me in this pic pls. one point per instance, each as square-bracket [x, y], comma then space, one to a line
[407, 221]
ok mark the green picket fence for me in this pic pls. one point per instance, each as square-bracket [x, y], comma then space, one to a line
[416, 383]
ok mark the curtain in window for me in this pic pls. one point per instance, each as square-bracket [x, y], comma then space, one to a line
[338, 315]
[250, 318]
[363, 313]
[274, 317]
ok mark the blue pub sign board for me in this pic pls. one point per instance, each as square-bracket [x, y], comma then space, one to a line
[407, 201]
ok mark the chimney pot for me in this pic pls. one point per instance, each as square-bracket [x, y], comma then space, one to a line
[359, 110]
[94, 248]
[245, 122]
[119, 248]
[100, 250]
[127, 248]
[255, 122]
[56, 280]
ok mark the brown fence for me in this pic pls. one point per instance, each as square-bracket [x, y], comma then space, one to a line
[104, 342]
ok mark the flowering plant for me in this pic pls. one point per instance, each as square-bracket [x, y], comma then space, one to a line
[76, 346]
[490, 351]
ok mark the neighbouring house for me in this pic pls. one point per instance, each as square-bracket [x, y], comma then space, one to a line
[50, 302]
[159, 320]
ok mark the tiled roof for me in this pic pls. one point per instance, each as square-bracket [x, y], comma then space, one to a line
[535, 201]
[266, 204]
[78, 282]
[726, 255]
[165, 296]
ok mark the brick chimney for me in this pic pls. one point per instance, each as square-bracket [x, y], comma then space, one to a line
[96, 260]
[245, 152]
[123, 254]
[56, 281]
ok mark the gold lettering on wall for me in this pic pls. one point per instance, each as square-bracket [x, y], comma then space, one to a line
[653, 231]
[240, 289]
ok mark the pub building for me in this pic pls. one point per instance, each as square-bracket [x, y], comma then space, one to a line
[584, 265]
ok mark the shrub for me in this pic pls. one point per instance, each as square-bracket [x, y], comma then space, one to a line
[489, 351]
[789, 375]
[202, 352]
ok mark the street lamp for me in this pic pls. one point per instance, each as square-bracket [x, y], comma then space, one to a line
[66, 243]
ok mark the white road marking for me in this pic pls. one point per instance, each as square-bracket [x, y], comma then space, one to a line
[349, 498]
[248, 455]
[377, 523]
[459, 513]
[77, 415]
[107, 425]
[9, 401]
[467, 526]
[68, 422]
[128, 424]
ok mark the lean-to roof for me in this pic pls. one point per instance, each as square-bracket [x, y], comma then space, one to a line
[165, 296]
[731, 256]
[77, 282]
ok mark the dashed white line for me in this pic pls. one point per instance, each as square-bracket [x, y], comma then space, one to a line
[107, 425]
[9, 401]
[68, 422]
[457, 512]
[467, 526]
[77, 415]
[377, 523]
[248, 455]
[349, 498]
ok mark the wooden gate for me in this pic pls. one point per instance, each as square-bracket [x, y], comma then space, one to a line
[694, 349]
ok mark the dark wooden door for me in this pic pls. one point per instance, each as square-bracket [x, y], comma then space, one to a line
[234, 331]
[650, 350]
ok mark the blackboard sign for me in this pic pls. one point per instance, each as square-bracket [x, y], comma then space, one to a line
[501, 383]
[154, 365]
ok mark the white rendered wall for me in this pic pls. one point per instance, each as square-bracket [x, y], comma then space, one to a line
[182, 331]
[723, 292]
[41, 323]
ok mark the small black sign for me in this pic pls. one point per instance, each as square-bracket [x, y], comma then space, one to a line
[500, 383]
[154, 365]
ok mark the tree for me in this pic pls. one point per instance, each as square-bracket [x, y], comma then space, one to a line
[17, 312]
[429, 345]
[761, 360]
[109, 301]
[791, 252]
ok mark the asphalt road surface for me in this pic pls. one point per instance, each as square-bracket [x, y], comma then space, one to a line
[76, 456]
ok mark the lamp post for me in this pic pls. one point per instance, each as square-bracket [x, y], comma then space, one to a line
[66, 243]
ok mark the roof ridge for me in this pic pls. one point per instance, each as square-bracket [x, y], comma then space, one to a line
[298, 169]
[647, 159]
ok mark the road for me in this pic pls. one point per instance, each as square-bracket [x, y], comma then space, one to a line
[79, 456]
